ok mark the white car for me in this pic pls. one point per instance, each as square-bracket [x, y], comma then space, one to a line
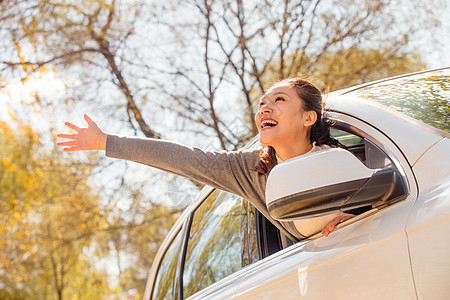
[397, 131]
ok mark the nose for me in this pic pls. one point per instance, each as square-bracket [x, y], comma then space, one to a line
[265, 108]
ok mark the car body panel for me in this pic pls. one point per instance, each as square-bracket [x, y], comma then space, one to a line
[428, 227]
[343, 265]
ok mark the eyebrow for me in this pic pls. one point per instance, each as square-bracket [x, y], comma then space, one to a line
[277, 93]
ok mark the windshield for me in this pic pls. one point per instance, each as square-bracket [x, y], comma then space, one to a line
[424, 97]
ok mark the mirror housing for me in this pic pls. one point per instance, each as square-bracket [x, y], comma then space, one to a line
[328, 181]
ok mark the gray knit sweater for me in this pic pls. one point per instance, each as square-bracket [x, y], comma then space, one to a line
[226, 170]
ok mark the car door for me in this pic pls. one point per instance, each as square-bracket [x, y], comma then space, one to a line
[428, 225]
[366, 258]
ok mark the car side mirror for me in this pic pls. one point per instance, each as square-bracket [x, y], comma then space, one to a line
[328, 181]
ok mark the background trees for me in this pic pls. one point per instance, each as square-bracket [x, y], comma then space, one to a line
[54, 229]
[189, 71]
[245, 45]
[133, 58]
[48, 216]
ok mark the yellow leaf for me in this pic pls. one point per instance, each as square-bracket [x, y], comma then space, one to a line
[12, 116]
[6, 161]
[43, 69]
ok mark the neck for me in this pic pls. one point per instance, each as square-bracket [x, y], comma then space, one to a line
[288, 152]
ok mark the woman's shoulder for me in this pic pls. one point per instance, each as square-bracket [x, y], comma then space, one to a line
[244, 160]
[247, 154]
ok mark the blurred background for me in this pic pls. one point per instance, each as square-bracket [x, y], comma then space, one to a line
[82, 226]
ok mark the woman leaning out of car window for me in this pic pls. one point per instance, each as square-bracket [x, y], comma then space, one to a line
[290, 123]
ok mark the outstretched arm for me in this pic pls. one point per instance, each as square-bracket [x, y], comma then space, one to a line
[90, 138]
[229, 171]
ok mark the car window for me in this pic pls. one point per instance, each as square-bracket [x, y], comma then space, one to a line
[214, 245]
[353, 143]
[364, 149]
[165, 278]
[425, 97]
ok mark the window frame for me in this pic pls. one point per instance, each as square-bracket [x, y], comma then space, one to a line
[377, 137]
[160, 258]
[346, 122]
[180, 227]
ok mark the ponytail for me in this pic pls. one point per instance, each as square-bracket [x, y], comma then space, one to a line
[267, 160]
[320, 133]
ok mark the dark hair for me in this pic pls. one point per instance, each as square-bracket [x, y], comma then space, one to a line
[320, 131]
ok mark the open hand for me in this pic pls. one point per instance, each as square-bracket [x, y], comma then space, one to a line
[90, 138]
[342, 217]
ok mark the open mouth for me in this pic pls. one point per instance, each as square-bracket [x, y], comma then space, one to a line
[267, 123]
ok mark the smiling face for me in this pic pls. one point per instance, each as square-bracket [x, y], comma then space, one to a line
[282, 121]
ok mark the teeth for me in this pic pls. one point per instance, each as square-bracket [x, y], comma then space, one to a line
[268, 122]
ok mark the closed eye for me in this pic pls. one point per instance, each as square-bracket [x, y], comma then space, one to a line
[279, 99]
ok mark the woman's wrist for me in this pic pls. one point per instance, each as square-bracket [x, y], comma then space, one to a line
[102, 141]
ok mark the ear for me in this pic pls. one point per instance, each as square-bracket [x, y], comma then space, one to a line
[310, 118]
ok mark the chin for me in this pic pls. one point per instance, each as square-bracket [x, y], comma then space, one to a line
[266, 140]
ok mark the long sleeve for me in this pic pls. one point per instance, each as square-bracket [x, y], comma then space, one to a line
[229, 171]
[226, 170]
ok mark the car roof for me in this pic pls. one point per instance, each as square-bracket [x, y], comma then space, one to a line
[410, 135]
[363, 85]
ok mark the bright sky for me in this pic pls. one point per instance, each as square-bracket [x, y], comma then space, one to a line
[17, 95]
[439, 54]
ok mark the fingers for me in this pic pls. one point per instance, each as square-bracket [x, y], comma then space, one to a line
[88, 119]
[71, 149]
[72, 141]
[331, 226]
[326, 231]
[68, 143]
[82, 139]
[347, 217]
[72, 126]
